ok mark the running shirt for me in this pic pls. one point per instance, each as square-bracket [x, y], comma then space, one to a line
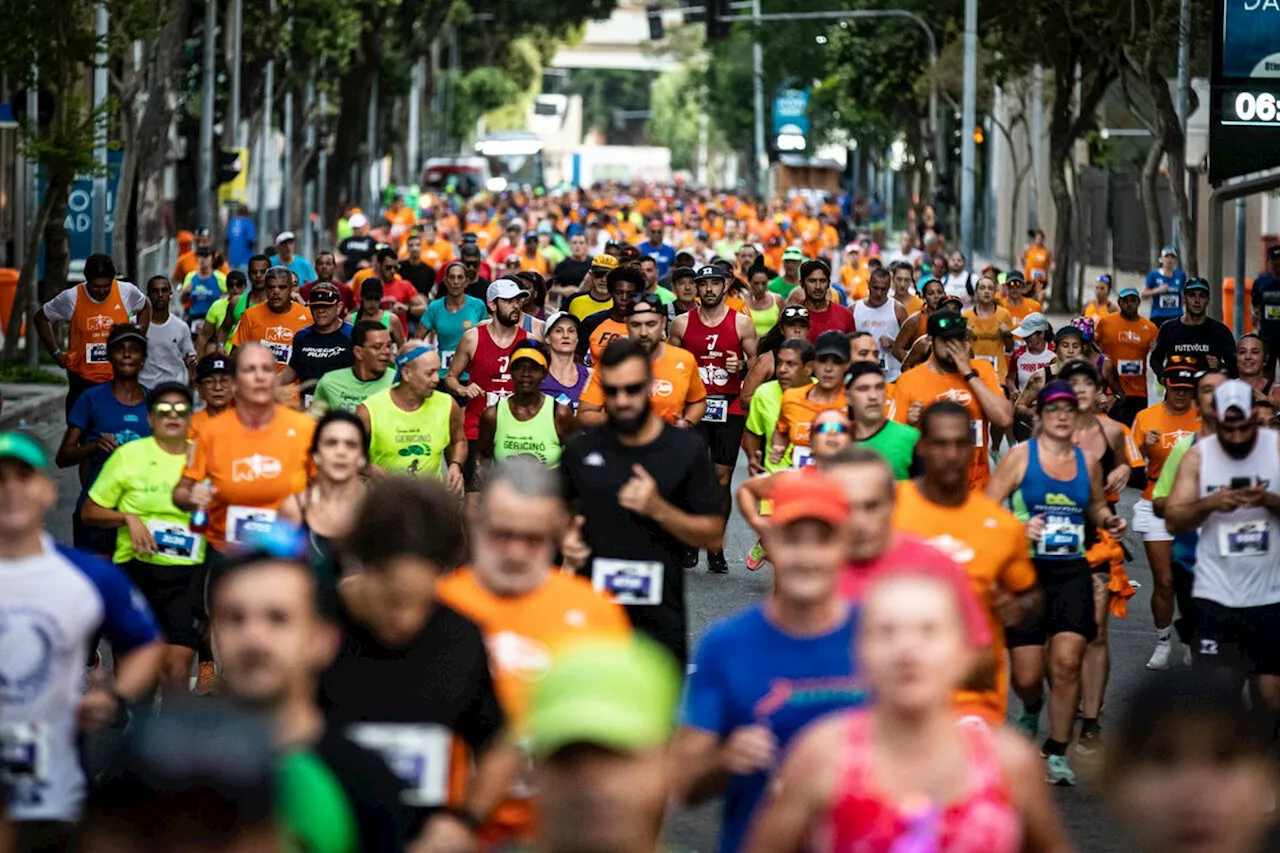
[1127, 343]
[990, 544]
[411, 443]
[1166, 306]
[536, 437]
[676, 384]
[450, 326]
[341, 389]
[316, 354]
[168, 345]
[52, 607]
[583, 305]
[835, 318]
[203, 292]
[96, 413]
[1172, 429]
[566, 395]
[881, 322]
[1184, 544]
[988, 339]
[138, 479]
[749, 672]
[796, 416]
[711, 346]
[90, 322]
[1023, 308]
[598, 331]
[762, 418]
[1095, 312]
[1026, 364]
[1063, 504]
[765, 318]
[261, 325]
[1037, 264]
[251, 470]
[897, 444]
[923, 384]
[490, 369]
[523, 633]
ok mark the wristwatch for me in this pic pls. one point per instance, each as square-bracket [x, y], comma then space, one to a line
[971, 375]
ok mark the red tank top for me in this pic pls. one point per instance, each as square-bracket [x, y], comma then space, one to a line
[982, 820]
[490, 368]
[711, 346]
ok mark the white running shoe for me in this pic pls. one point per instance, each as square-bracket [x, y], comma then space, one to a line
[1160, 657]
[1186, 655]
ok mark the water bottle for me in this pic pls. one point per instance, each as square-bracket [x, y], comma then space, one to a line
[200, 517]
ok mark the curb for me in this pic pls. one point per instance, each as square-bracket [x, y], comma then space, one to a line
[22, 405]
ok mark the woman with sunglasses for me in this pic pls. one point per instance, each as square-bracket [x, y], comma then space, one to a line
[566, 374]
[155, 545]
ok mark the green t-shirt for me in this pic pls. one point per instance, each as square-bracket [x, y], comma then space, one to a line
[666, 296]
[340, 389]
[138, 479]
[1164, 484]
[782, 287]
[313, 806]
[762, 417]
[217, 312]
[897, 444]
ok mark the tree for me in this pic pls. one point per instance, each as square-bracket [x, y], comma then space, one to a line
[604, 90]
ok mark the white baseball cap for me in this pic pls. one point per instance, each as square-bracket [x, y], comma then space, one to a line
[1233, 394]
[284, 236]
[1032, 323]
[505, 288]
[358, 220]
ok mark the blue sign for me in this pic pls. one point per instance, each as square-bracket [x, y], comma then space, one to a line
[791, 112]
[79, 215]
[1249, 43]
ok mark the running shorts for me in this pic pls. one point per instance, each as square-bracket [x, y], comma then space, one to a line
[724, 438]
[1148, 524]
[1246, 639]
[1068, 604]
[176, 596]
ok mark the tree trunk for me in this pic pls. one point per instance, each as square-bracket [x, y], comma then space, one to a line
[1151, 201]
[1064, 206]
[57, 246]
[22, 308]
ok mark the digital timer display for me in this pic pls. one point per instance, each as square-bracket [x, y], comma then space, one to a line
[1250, 107]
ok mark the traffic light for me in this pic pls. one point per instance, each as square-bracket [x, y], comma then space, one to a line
[656, 31]
[229, 165]
[978, 136]
[716, 28]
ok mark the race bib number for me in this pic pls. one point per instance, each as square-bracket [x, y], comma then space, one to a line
[308, 397]
[282, 352]
[1245, 539]
[1038, 275]
[1130, 367]
[418, 754]
[717, 410]
[25, 756]
[801, 457]
[1170, 300]
[176, 540]
[95, 353]
[975, 427]
[1062, 538]
[628, 581]
[446, 358]
[197, 325]
[244, 522]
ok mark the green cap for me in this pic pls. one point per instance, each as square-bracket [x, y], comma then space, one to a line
[24, 448]
[793, 254]
[619, 694]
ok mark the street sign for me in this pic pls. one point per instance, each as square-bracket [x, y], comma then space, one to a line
[234, 163]
[791, 119]
[80, 212]
[1244, 120]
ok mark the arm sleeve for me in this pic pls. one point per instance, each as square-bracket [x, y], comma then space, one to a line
[1227, 350]
[1158, 352]
[60, 308]
[127, 622]
[484, 718]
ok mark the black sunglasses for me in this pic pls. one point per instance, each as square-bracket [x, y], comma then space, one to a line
[633, 390]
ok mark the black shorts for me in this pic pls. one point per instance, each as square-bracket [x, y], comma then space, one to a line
[724, 439]
[176, 596]
[1127, 409]
[1068, 605]
[1241, 638]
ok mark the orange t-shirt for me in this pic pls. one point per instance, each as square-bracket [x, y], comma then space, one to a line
[928, 386]
[608, 329]
[1127, 343]
[188, 263]
[201, 420]
[436, 254]
[990, 544]
[538, 263]
[1037, 263]
[523, 633]
[676, 384]
[1096, 312]
[1171, 427]
[360, 276]
[854, 280]
[260, 324]
[251, 470]
[799, 410]
[1022, 309]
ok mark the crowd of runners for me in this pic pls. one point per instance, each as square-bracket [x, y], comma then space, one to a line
[387, 549]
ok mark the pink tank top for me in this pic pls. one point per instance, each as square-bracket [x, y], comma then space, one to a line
[983, 820]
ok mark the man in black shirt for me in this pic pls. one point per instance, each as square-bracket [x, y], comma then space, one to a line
[413, 270]
[323, 346]
[573, 270]
[1266, 307]
[357, 249]
[477, 285]
[647, 492]
[1195, 334]
[411, 679]
[269, 623]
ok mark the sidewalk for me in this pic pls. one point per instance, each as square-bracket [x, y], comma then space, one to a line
[28, 402]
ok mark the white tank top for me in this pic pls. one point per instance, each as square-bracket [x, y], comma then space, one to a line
[1030, 363]
[881, 322]
[1236, 558]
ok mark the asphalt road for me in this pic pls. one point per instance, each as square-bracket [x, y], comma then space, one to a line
[713, 597]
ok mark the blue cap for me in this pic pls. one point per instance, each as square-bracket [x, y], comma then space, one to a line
[1127, 291]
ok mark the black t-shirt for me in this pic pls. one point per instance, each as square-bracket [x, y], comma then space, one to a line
[408, 704]
[356, 249]
[1210, 338]
[421, 276]
[372, 790]
[316, 353]
[479, 289]
[572, 272]
[632, 556]
[1266, 297]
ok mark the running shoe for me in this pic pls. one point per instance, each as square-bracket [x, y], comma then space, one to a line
[1058, 771]
[690, 559]
[716, 563]
[1029, 723]
[756, 557]
[1160, 657]
[1186, 655]
[1090, 740]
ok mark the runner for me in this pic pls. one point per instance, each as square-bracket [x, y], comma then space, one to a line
[48, 591]
[326, 272]
[685, 291]
[1251, 362]
[201, 288]
[1101, 306]
[207, 337]
[248, 461]
[951, 373]
[170, 351]
[274, 323]
[357, 250]
[792, 323]
[287, 258]
[1194, 334]
[957, 280]
[413, 429]
[1068, 346]
[528, 610]
[1056, 490]
[1157, 429]
[905, 287]
[883, 318]
[411, 680]
[216, 385]
[917, 323]
[566, 375]
[1127, 339]
[647, 493]
[371, 309]
[824, 315]
[451, 316]
[872, 428]
[370, 370]
[794, 359]
[154, 545]
[625, 284]
[722, 340]
[854, 780]
[529, 422]
[91, 310]
[1037, 260]
[1225, 487]
[789, 442]
[1019, 305]
[320, 348]
[764, 674]
[790, 279]
[595, 296]
[1164, 287]
[1265, 299]
[325, 510]
[398, 296]
[255, 295]
[992, 327]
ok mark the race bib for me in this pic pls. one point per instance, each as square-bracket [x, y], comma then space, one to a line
[1271, 312]
[243, 522]
[197, 325]
[446, 358]
[95, 353]
[628, 581]
[282, 352]
[1062, 538]
[1245, 539]
[176, 540]
[976, 428]
[1038, 275]
[1170, 300]
[801, 457]
[1130, 367]
[717, 410]
[417, 753]
[25, 756]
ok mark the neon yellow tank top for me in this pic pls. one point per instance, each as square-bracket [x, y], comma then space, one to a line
[410, 443]
[536, 437]
[764, 320]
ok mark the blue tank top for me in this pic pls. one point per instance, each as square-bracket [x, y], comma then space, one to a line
[1063, 503]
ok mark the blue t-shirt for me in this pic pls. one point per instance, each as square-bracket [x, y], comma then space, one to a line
[301, 268]
[449, 326]
[748, 673]
[242, 236]
[98, 412]
[204, 292]
[662, 253]
[1166, 305]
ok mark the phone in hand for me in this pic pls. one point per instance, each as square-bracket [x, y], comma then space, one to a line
[1241, 482]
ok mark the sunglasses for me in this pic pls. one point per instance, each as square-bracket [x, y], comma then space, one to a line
[171, 410]
[830, 428]
[633, 390]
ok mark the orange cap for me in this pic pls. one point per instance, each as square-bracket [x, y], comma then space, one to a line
[807, 494]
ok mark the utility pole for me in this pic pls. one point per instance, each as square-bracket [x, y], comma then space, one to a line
[1037, 144]
[413, 140]
[286, 168]
[757, 86]
[231, 130]
[100, 209]
[322, 176]
[268, 96]
[370, 193]
[309, 188]
[204, 185]
[968, 154]
[1184, 97]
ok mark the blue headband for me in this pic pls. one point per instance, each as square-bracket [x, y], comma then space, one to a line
[405, 357]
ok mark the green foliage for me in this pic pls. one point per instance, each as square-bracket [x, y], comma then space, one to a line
[604, 90]
[21, 373]
[677, 102]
